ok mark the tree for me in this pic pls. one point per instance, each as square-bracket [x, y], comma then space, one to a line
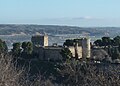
[110, 48]
[119, 47]
[68, 42]
[106, 41]
[24, 46]
[16, 49]
[66, 53]
[117, 40]
[29, 48]
[3, 46]
[116, 54]
[98, 42]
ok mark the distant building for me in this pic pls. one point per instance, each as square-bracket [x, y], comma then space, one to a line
[49, 52]
[45, 52]
[40, 40]
[82, 49]
[40, 46]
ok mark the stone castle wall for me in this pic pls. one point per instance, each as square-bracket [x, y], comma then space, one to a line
[79, 51]
[53, 53]
[46, 53]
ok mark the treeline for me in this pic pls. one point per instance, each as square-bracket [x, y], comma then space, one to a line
[22, 49]
[111, 45]
[19, 50]
[107, 41]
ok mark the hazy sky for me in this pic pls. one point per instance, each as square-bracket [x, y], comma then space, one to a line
[61, 12]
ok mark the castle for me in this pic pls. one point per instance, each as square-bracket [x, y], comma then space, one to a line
[45, 52]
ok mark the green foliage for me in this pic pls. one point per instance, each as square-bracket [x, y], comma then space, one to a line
[113, 46]
[68, 42]
[117, 40]
[27, 47]
[24, 50]
[66, 53]
[71, 42]
[3, 46]
[98, 42]
[110, 50]
[106, 41]
[119, 47]
[16, 49]
[116, 54]
[24, 46]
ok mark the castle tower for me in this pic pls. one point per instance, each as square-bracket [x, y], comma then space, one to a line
[40, 40]
[86, 48]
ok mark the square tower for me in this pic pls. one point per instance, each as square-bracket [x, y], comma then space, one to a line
[40, 40]
[86, 47]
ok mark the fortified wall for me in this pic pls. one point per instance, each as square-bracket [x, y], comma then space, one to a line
[45, 52]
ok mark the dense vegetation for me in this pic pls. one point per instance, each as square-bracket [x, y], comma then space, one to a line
[107, 41]
[23, 50]
[3, 46]
[111, 45]
[71, 42]
[15, 71]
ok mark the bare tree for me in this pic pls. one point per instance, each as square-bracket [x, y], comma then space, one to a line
[83, 74]
[11, 75]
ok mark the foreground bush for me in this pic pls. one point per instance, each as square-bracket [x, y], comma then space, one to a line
[11, 75]
[70, 73]
[82, 74]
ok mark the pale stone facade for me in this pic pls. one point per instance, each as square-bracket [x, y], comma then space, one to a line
[86, 48]
[46, 52]
[79, 51]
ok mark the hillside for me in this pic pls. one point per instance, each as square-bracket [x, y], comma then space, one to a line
[51, 29]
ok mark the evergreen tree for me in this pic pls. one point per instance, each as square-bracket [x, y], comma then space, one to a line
[98, 42]
[66, 53]
[110, 50]
[29, 48]
[119, 47]
[3, 46]
[24, 46]
[117, 40]
[106, 41]
[16, 49]
[116, 54]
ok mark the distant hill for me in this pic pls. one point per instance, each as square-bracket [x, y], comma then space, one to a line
[8, 29]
